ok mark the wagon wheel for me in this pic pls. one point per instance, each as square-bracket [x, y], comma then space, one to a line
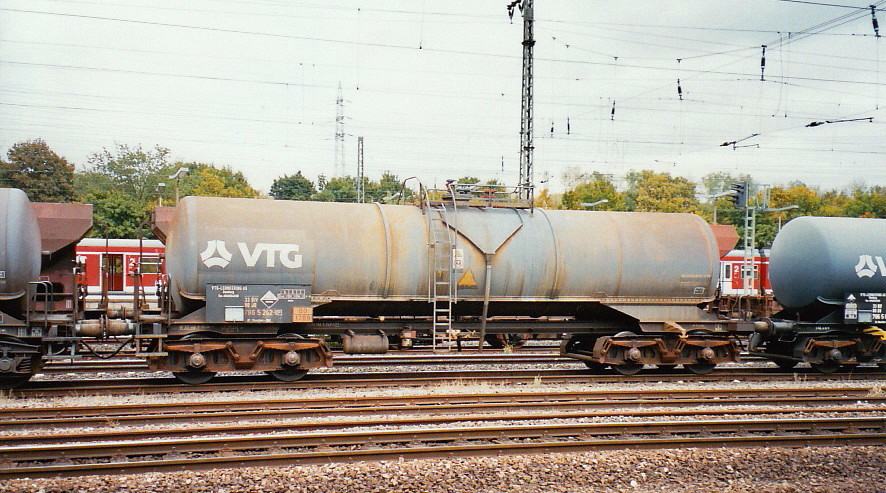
[193, 376]
[826, 367]
[288, 374]
[701, 368]
[15, 380]
[628, 367]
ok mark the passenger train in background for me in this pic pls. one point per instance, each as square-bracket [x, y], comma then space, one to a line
[111, 264]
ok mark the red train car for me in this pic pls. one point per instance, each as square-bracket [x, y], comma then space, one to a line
[113, 262]
[731, 282]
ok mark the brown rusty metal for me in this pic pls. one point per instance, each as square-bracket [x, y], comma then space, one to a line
[161, 219]
[61, 224]
[726, 237]
[241, 354]
[664, 350]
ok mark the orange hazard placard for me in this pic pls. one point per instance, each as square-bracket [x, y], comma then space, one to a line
[302, 314]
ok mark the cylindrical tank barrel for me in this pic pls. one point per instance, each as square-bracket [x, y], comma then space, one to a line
[827, 257]
[374, 252]
[20, 244]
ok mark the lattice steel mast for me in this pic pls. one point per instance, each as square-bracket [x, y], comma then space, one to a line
[526, 146]
[361, 186]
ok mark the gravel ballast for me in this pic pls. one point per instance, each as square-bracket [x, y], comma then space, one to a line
[776, 470]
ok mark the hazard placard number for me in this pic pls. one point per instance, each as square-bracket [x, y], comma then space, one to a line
[302, 314]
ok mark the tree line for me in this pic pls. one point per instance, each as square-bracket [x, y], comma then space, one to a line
[126, 182]
[647, 190]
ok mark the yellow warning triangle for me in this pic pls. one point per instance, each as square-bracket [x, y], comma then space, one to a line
[467, 280]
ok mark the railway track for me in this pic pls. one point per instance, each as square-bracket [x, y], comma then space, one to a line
[93, 423]
[122, 386]
[144, 413]
[307, 447]
[194, 435]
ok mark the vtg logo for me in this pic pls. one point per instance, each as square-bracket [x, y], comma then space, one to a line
[217, 254]
[867, 268]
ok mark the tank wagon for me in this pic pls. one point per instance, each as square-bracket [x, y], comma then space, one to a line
[40, 303]
[829, 274]
[253, 283]
[19, 266]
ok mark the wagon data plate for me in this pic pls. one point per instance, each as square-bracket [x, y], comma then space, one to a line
[258, 303]
[865, 308]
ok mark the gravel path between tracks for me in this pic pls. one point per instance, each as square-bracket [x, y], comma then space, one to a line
[775, 470]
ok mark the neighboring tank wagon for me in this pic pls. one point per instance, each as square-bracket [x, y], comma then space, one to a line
[19, 249]
[829, 274]
[38, 286]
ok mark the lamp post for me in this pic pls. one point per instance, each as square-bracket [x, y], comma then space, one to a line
[177, 176]
[160, 188]
[593, 204]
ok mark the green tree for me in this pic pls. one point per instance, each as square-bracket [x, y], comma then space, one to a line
[661, 192]
[132, 170]
[205, 180]
[292, 187]
[116, 214]
[338, 189]
[544, 200]
[867, 202]
[388, 186]
[41, 173]
[599, 187]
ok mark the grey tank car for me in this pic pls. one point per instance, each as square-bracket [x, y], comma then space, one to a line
[629, 288]
[829, 274]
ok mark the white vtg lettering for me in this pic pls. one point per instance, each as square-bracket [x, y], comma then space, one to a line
[868, 264]
[287, 253]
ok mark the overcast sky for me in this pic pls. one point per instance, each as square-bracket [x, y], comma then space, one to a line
[434, 86]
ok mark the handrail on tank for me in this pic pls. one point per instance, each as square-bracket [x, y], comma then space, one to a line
[400, 194]
[488, 194]
[477, 194]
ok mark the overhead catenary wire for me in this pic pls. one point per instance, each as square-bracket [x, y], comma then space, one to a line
[629, 75]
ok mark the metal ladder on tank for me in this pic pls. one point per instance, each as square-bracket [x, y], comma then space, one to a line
[442, 287]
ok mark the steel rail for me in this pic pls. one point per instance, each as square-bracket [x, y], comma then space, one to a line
[313, 447]
[278, 424]
[55, 414]
[118, 386]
